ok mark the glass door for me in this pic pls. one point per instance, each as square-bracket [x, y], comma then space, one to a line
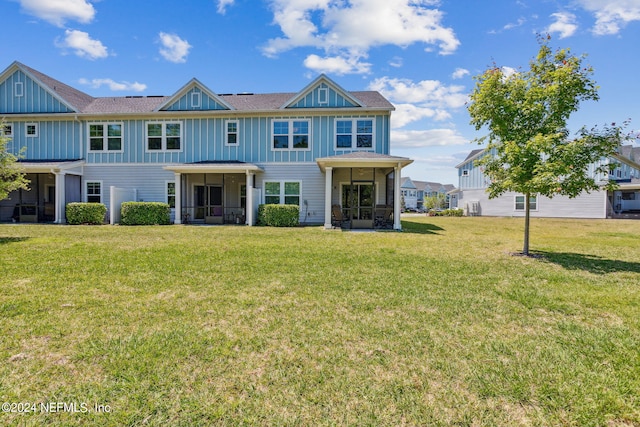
[358, 203]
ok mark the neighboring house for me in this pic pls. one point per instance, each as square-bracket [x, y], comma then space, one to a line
[423, 189]
[622, 203]
[214, 158]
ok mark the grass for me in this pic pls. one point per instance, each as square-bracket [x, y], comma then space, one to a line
[437, 325]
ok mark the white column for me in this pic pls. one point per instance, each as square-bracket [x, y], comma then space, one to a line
[328, 185]
[60, 198]
[178, 208]
[248, 208]
[397, 225]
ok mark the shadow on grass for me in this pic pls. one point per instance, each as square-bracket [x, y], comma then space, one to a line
[420, 228]
[591, 263]
[5, 240]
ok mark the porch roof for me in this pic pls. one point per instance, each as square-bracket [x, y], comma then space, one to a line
[214, 167]
[362, 159]
[50, 166]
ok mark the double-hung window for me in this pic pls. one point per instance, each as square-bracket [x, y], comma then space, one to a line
[105, 137]
[94, 191]
[290, 134]
[164, 136]
[282, 192]
[171, 194]
[520, 200]
[231, 133]
[354, 133]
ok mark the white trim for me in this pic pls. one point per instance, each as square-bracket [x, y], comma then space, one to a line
[163, 136]
[36, 128]
[86, 190]
[515, 203]
[105, 137]
[226, 133]
[290, 134]
[7, 130]
[18, 89]
[166, 192]
[282, 195]
[354, 133]
[323, 95]
[465, 172]
[196, 99]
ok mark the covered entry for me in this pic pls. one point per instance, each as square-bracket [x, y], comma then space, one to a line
[361, 190]
[215, 192]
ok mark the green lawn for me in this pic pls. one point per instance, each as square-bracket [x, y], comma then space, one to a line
[437, 325]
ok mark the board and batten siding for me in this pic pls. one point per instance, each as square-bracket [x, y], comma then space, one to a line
[586, 205]
[55, 140]
[21, 94]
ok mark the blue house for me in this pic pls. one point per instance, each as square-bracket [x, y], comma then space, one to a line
[213, 157]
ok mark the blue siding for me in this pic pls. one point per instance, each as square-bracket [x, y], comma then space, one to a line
[185, 103]
[312, 99]
[55, 140]
[34, 98]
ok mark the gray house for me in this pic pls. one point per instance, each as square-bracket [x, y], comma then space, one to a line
[472, 197]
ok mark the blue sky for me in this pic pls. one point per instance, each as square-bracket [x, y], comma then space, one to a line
[420, 54]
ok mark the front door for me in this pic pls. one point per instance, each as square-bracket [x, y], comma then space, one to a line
[208, 203]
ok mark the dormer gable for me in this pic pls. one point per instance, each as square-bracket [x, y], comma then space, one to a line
[194, 96]
[24, 90]
[323, 93]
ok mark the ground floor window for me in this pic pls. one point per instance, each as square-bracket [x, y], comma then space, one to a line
[520, 206]
[171, 194]
[282, 192]
[94, 191]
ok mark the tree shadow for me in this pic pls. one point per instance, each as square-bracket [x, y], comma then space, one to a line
[591, 263]
[5, 240]
[420, 228]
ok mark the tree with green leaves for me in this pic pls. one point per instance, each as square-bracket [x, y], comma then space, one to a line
[11, 174]
[436, 201]
[528, 146]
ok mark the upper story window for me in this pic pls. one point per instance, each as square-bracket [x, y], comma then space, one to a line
[105, 137]
[6, 130]
[164, 136]
[18, 89]
[195, 99]
[323, 96]
[231, 132]
[32, 129]
[354, 133]
[465, 172]
[290, 134]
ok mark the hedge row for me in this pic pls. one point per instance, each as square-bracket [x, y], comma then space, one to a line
[446, 212]
[86, 213]
[145, 213]
[279, 215]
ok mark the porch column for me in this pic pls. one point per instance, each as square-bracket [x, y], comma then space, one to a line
[248, 208]
[178, 198]
[59, 214]
[328, 185]
[397, 225]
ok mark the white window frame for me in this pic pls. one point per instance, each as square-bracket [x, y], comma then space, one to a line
[196, 99]
[354, 133]
[36, 128]
[323, 96]
[105, 137]
[163, 137]
[7, 130]
[515, 203]
[86, 190]
[18, 89]
[227, 133]
[465, 172]
[291, 134]
[282, 195]
[168, 195]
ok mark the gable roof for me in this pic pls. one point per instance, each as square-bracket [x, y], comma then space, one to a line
[193, 83]
[322, 78]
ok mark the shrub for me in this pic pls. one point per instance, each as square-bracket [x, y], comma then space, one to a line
[86, 213]
[145, 213]
[446, 212]
[279, 215]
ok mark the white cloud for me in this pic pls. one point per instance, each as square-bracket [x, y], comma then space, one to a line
[349, 29]
[459, 73]
[565, 24]
[396, 62]
[508, 71]
[425, 138]
[83, 45]
[426, 92]
[408, 113]
[520, 22]
[57, 12]
[222, 6]
[612, 15]
[113, 85]
[174, 49]
[337, 65]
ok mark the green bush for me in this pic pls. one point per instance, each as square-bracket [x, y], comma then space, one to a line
[145, 213]
[86, 213]
[279, 215]
[446, 212]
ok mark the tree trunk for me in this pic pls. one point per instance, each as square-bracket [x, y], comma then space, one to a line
[525, 249]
